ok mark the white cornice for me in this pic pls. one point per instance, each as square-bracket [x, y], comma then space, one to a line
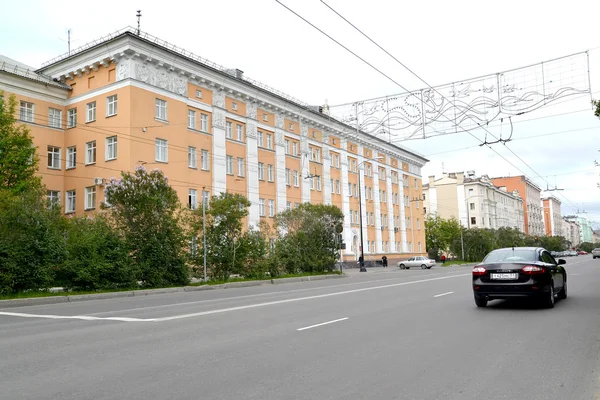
[36, 90]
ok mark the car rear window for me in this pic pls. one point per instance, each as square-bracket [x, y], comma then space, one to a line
[510, 255]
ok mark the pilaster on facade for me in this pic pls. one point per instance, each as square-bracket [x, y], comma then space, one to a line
[363, 193]
[252, 178]
[326, 156]
[378, 222]
[404, 232]
[305, 161]
[219, 144]
[281, 188]
[390, 202]
[348, 234]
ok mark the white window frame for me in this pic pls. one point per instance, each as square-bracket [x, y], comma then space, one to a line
[312, 183]
[261, 207]
[204, 122]
[26, 111]
[260, 138]
[72, 117]
[295, 148]
[191, 119]
[239, 133]
[270, 174]
[287, 177]
[296, 179]
[241, 167]
[318, 179]
[54, 157]
[234, 106]
[287, 146]
[205, 160]
[261, 171]
[271, 208]
[90, 112]
[265, 117]
[338, 186]
[53, 197]
[111, 148]
[269, 141]
[111, 105]
[90, 198]
[90, 153]
[228, 130]
[161, 150]
[331, 183]
[70, 201]
[192, 199]
[192, 157]
[205, 197]
[288, 205]
[229, 165]
[198, 93]
[161, 109]
[71, 157]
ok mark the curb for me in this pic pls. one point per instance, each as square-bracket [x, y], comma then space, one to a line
[38, 301]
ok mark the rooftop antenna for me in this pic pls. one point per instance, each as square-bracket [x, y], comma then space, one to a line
[138, 15]
[69, 30]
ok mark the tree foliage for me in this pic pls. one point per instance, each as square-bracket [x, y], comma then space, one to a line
[18, 158]
[147, 211]
[439, 234]
[596, 104]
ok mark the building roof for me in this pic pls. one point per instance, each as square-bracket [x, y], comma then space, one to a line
[14, 67]
[227, 72]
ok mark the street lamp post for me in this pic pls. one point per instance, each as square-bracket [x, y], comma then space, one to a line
[204, 232]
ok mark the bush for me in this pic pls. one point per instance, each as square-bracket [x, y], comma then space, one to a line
[97, 257]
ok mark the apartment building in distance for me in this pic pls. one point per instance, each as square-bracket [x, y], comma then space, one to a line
[474, 201]
[571, 231]
[585, 227]
[552, 216]
[532, 202]
[131, 98]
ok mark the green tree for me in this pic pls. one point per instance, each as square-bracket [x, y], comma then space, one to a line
[596, 104]
[440, 233]
[18, 158]
[32, 241]
[509, 237]
[97, 257]
[148, 213]
[588, 246]
[307, 239]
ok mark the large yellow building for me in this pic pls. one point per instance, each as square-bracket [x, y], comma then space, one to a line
[131, 99]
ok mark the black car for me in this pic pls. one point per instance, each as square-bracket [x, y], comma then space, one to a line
[516, 272]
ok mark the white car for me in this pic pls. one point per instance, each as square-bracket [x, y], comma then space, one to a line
[417, 261]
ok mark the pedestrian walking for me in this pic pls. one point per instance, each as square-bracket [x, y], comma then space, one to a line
[384, 261]
[443, 258]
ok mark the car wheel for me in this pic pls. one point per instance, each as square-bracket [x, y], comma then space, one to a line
[563, 293]
[401, 266]
[407, 267]
[548, 299]
[423, 266]
[480, 301]
[428, 267]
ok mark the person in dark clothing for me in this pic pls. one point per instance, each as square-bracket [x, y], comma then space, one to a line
[443, 259]
[360, 261]
[384, 261]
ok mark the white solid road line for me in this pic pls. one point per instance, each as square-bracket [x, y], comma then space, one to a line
[321, 324]
[443, 294]
[229, 309]
[80, 317]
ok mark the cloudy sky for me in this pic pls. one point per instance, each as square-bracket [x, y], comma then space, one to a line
[439, 40]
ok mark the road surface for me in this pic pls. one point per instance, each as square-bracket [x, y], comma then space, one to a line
[384, 334]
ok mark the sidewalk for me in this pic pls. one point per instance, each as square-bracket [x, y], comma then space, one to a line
[393, 268]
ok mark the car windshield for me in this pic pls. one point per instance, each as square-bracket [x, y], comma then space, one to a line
[510, 255]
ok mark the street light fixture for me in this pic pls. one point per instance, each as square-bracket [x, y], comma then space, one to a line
[362, 248]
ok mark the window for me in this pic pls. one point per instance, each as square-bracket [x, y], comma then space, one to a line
[54, 157]
[239, 132]
[296, 179]
[291, 126]
[318, 179]
[296, 205]
[261, 207]
[240, 162]
[234, 106]
[337, 186]
[295, 148]
[111, 105]
[312, 183]
[161, 109]
[162, 150]
[382, 174]
[418, 223]
[71, 157]
[470, 192]
[229, 130]
[269, 141]
[70, 201]
[355, 190]
[204, 122]
[416, 183]
[26, 111]
[473, 221]
[198, 93]
[204, 160]
[384, 199]
[192, 157]
[271, 208]
[192, 199]
[229, 165]
[191, 119]
[288, 205]
[90, 152]
[287, 146]
[471, 206]
[90, 198]
[369, 169]
[408, 225]
[261, 171]
[90, 112]
[332, 186]
[71, 118]
[53, 197]
[419, 245]
[265, 117]
[270, 172]
[287, 176]
[261, 138]
[111, 148]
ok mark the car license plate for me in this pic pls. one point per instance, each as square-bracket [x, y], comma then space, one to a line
[505, 276]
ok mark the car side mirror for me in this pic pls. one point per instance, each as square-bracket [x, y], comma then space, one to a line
[561, 261]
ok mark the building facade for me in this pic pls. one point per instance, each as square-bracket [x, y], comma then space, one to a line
[133, 99]
[532, 202]
[571, 232]
[474, 201]
[585, 227]
[552, 216]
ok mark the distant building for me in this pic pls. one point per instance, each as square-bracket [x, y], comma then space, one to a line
[571, 232]
[596, 237]
[474, 201]
[552, 216]
[532, 205]
[585, 227]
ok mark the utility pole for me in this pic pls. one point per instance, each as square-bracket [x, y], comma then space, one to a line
[138, 15]
[204, 231]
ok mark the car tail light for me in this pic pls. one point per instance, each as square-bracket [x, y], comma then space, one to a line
[478, 271]
[532, 270]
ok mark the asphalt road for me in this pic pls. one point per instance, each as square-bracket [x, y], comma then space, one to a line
[384, 334]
